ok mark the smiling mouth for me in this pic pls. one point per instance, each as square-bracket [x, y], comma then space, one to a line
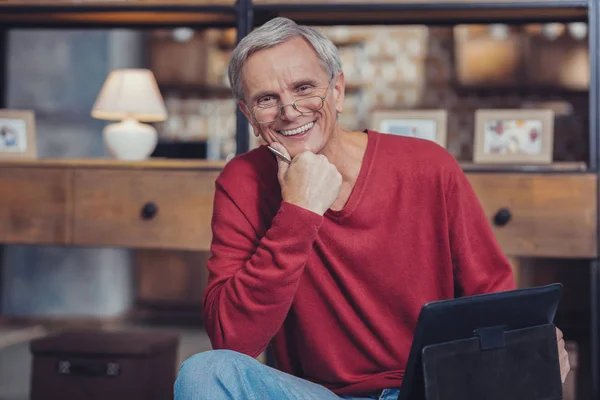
[298, 131]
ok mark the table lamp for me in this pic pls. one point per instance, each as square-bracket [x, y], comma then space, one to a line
[130, 96]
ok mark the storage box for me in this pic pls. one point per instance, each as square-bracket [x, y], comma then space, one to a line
[198, 61]
[112, 365]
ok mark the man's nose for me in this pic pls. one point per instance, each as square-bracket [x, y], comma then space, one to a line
[288, 112]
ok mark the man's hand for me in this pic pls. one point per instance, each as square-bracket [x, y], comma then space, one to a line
[563, 356]
[310, 181]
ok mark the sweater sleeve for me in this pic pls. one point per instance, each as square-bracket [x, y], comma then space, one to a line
[479, 263]
[252, 279]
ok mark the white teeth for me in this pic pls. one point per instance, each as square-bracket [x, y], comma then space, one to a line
[298, 130]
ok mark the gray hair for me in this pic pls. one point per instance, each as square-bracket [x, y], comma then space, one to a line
[274, 32]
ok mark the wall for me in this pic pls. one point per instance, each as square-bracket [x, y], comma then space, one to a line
[58, 74]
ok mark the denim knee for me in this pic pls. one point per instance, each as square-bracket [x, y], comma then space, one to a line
[207, 362]
[211, 371]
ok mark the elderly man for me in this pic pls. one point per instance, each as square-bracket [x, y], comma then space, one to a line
[329, 258]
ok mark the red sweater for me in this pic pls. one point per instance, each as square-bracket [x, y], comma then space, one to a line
[339, 295]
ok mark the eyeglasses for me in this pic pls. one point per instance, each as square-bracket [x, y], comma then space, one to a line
[305, 106]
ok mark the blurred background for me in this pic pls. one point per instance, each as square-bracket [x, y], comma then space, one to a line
[57, 69]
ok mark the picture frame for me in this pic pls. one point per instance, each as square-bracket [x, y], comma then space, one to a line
[424, 124]
[17, 135]
[513, 136]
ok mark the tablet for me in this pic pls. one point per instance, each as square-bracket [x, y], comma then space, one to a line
[456, 319]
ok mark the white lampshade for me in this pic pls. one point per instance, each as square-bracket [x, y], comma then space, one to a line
[130, 94]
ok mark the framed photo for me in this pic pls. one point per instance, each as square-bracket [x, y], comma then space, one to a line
[513, 136]
[424, 124]
[17, 135]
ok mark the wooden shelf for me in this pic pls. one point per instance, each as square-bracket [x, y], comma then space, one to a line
[93, 14]
[556, 167]
[423, 12]
[153, 163]
[518, 88]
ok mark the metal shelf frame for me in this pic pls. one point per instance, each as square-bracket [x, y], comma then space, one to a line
[594, 159]
[244, 15]
[445, 13]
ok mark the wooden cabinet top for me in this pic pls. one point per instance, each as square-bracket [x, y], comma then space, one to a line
[212, 165]
[105, 163]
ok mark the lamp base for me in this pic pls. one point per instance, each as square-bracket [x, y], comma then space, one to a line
[130, 140]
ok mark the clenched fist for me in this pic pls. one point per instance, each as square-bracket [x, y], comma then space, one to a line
[310, 181]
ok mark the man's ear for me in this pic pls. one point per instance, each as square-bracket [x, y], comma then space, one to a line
[339, 92]
[244, 108]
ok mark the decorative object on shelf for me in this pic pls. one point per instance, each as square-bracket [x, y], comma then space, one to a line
[348, 35]
[578, 30]
[499, 31]
[562, 62]
[194, 119]
[539, 55]
[17, 135]
[513, 136]
[183, 34]
[424, 124]
[130, 96]
[191, 60]
[553, 31]
[485, 57]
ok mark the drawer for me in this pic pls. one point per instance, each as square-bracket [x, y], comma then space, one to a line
[143, 208]
[539, 215]
[34, 205]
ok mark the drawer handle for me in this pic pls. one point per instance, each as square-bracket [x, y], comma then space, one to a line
[502, 217]
[149, 210]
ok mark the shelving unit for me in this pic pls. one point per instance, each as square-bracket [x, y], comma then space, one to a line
[244, 15]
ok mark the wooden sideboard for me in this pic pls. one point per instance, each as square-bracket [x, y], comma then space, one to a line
[167, 204]
[160, 208]
[151, 204]
[163, 209]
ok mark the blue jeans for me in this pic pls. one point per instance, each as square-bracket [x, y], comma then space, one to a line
[225, 374]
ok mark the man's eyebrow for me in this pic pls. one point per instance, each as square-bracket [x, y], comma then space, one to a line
[305, 81]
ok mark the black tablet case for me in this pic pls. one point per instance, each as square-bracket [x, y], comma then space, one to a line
[486, 347]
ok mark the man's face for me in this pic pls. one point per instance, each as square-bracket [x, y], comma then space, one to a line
[285, 73]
